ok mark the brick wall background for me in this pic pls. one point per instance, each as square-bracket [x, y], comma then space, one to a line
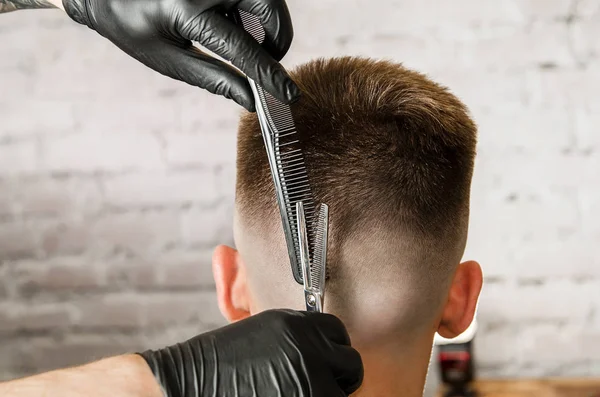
[116, 182]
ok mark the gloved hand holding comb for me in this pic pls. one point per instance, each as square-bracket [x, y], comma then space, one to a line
[159, 33]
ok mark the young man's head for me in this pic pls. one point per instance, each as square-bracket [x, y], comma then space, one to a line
[392, 154]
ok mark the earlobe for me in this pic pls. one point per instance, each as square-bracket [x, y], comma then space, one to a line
[230, 279]
[460, 307]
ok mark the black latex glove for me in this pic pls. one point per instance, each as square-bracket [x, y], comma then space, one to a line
[159, 33]
[274, 353]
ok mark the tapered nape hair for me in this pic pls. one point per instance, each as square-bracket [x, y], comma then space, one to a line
[384, 146]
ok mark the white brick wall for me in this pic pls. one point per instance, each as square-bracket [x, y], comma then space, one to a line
[115, 182]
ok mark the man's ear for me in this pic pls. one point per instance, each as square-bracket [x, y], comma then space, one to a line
[460, 307]
[230, 278]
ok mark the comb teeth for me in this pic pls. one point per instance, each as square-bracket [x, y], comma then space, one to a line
[251, 24]
[291, 171]
[285, 159]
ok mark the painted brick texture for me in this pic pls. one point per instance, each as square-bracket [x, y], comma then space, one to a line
[116, 182]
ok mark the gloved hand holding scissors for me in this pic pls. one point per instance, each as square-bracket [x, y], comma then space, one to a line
[274, 353]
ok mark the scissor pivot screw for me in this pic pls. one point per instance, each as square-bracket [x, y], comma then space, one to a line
[311, 300]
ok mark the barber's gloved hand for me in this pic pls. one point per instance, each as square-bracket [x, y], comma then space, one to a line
[274, 353]
[159, 33]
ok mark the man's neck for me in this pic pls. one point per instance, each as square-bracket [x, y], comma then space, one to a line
[392, 371]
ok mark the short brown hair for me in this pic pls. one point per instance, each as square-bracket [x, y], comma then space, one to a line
[383, 146]
[377, 137]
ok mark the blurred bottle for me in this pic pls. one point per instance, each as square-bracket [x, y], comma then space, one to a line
[455, 362]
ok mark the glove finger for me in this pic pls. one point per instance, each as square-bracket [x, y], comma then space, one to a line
[347, 367]
[322, 384]
[221, 36]
[331, 327]
[276, 21]
[192, 66]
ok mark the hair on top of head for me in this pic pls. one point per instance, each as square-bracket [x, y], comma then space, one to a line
[382, 144]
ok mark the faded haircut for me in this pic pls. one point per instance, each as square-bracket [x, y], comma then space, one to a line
[384, 146]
